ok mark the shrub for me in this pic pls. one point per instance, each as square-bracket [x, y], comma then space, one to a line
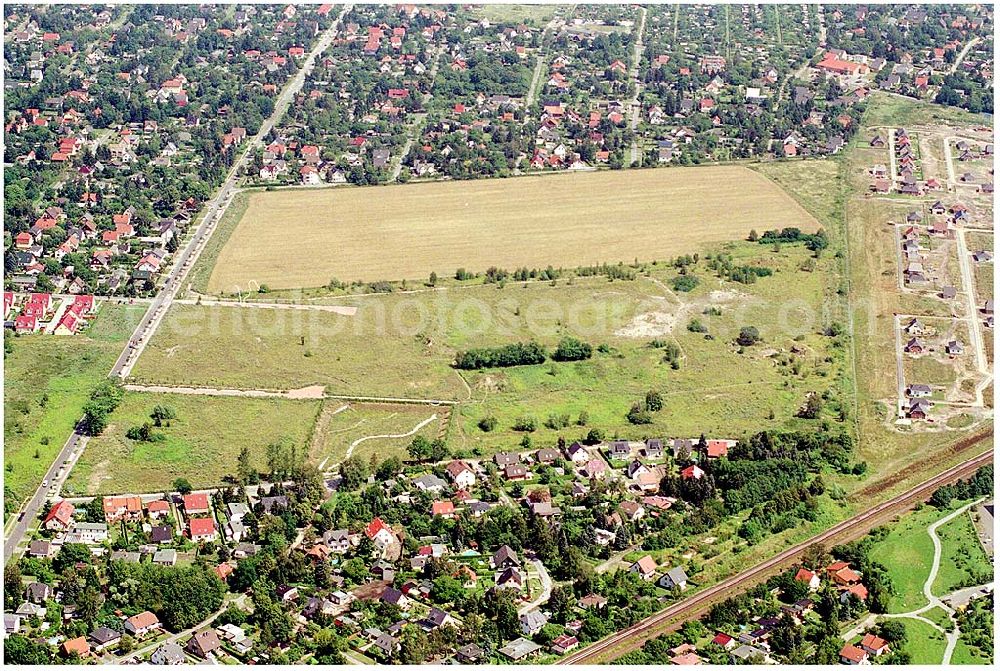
[526, 423]
[695, 326]
[684, 283]
[516, 354]
[488, 423]
[637, 414]
[571, 349]
[749, 335]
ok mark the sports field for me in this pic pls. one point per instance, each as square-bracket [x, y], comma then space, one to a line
[298, 238]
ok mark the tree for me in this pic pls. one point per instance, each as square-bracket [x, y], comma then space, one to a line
[354, 471]
[414, 648]
[389, 468]
[183, 486]
[69, 555]
[21, 650]
[638, 414]
[12, 588]
[894, 631]
[245, 472]
[419, 449]
[654, 401]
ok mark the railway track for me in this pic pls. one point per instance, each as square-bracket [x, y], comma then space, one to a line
[855, 527]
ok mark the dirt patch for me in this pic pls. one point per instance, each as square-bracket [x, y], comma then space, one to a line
[650, 325]
[98, 475]
[726, 296]
[323, 425]
[370, 590]
[314, 391]
[491, 384]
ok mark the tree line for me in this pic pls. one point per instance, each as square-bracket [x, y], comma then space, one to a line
[521, 354]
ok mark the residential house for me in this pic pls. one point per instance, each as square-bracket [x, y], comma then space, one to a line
[461, 475]
[645, 567]
[203, 644]
[674, 578]
[168, 654]
[142, 624]
[532, 622]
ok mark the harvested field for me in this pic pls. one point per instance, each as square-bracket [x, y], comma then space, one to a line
[299, 238]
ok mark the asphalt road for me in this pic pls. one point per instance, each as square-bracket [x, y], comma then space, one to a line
[182, 265]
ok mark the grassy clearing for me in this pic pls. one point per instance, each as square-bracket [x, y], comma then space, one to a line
[963, 560]
[983, 277]
[939, 617]
[964, 654]
[65, 370]
[889, 110]
[907, 552]
[977, 241]
[814, 183]
[384, 350]
[337, 431]
[924, 643]
[561, 220]
[532, 14]
[928, 370]
[202, 444]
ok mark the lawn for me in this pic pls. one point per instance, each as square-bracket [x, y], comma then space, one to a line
[963, 560]
[978, 240]
[939, 617]
[928, 370]
[408, 231]
[924, 643]
[368, 427]
[403, 344]
[907, 552]
[198, 276]
[202, 444]
[964, 654]
[47, 381]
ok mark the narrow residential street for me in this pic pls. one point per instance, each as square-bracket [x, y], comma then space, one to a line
[636, 104]
[543, 596]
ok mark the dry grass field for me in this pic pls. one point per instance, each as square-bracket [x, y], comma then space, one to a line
[303, 238]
